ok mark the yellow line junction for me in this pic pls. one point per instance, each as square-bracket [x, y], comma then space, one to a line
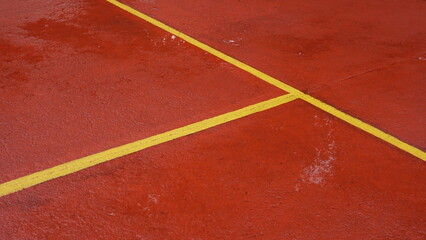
[318, 103]
[293, 93]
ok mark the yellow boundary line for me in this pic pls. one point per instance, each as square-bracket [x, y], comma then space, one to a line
[324, 106]
[92, 160]
[101, 157]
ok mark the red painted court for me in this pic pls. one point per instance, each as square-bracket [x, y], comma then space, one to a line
[226, 119]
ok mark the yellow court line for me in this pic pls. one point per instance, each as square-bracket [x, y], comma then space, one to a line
[324, 106]
[92, 160]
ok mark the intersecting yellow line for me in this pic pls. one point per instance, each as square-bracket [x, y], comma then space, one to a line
[318, 103]
[92, 160]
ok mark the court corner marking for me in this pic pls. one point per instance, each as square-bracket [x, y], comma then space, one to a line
[273, 81]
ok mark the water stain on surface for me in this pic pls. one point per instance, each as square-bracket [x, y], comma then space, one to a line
[16, 61]
[322, 167]
[92, 32]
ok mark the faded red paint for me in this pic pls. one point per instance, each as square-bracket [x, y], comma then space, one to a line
[292, 172]
[314, 44]
[92, 78]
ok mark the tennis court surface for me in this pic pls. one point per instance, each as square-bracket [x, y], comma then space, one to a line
[227, 119]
